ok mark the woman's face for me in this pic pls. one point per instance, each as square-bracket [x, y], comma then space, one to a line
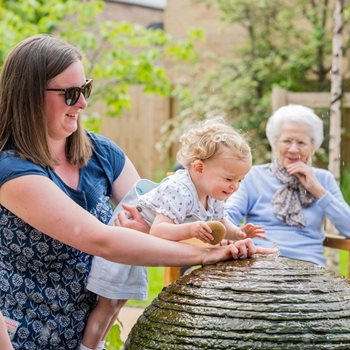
[294, 144]
[62, 120]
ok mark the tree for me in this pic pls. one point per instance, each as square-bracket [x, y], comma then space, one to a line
[335, 111]
[118, 54]
[336, 91]
[288, 43]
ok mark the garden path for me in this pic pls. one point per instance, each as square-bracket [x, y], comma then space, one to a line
[128, 316]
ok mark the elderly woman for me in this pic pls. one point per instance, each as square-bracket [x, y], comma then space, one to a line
[289, 197]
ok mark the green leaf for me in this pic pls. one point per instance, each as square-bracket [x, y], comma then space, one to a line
[117, 54]
[113, 340]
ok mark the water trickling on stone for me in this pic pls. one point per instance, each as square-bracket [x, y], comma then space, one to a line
[265, 303]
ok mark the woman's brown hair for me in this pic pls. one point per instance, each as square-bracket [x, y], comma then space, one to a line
[23, 81]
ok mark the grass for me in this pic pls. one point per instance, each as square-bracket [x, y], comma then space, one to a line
[345, 189]
[343, 262]
[155, 286]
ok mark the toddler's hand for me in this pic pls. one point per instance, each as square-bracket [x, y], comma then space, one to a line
[131, 218]
[201, 230]
[253, 231]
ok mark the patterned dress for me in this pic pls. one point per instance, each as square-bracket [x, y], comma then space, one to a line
[42, 281]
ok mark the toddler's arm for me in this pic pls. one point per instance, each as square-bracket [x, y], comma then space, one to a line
[246, 231]
[164, 227]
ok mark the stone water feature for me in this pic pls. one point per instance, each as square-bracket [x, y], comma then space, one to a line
[265, 303]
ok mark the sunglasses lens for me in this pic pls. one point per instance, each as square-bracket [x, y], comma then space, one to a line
[87, 90]
[72, 96]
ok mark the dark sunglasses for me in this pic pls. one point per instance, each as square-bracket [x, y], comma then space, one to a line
[72, 94]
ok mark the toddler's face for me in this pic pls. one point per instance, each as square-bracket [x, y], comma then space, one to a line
[222, 174]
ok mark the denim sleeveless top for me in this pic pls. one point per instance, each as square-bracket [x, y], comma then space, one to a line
[42, 281]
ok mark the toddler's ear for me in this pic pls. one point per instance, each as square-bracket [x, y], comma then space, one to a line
[197, 166]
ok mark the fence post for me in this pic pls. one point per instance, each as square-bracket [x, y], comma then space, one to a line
[279, 98]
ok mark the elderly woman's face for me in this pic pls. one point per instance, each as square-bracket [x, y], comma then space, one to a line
[294, 144]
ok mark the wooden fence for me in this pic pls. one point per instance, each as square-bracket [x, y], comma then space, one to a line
[281, 97]
[137, 131]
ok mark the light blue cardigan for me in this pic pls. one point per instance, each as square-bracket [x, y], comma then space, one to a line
[253, 203]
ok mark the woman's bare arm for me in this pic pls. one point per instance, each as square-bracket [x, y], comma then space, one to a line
[125, 181]
[40, 203]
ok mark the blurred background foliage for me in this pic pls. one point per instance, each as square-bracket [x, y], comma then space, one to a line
[288, 45]
[117, 54]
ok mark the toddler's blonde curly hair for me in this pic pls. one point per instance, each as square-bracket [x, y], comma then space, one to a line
[205, 139]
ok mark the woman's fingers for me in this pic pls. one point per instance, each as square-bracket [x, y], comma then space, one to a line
[243, 247]
[247, 248]
[266, 251]
[234, 251]
[240, 249]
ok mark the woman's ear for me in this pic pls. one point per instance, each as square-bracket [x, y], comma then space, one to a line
[197, 166]
[309, 160]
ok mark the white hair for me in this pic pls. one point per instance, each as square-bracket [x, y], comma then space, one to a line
[295, 114]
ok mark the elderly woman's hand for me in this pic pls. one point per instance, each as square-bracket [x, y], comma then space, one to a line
[131, 218]
[307, 177]
[238, 250]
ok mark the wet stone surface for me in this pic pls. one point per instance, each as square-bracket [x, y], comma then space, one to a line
[258, 303]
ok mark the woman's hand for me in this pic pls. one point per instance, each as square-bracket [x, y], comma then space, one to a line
[238, 250]
[131, 218]
[307, 177]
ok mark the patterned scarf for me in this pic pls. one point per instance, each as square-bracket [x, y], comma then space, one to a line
[290, 198]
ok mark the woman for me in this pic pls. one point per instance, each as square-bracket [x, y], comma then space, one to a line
[56, 181]
[289, 197]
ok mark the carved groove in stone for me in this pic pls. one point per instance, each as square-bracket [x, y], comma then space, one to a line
[258, 303]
